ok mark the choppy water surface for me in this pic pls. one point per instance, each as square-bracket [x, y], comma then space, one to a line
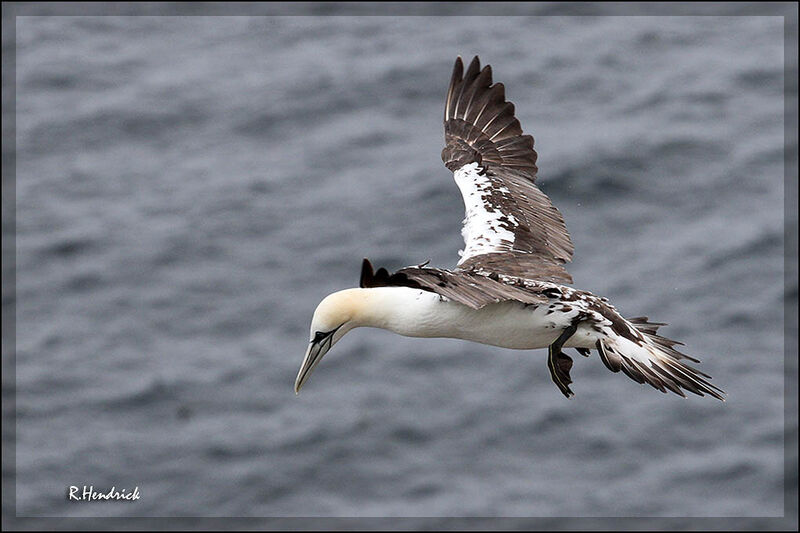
[188, 189]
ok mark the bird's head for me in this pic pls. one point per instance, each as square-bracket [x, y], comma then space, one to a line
[337, 314]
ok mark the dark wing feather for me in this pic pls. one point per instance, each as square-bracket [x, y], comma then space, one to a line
[480, 125]
[506, 211]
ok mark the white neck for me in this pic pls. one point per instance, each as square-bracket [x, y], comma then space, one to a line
[418, 313]
[399, 309]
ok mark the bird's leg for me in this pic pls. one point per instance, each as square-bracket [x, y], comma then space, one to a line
[560, 363]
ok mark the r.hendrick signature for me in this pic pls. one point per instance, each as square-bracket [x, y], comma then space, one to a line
[88, 494]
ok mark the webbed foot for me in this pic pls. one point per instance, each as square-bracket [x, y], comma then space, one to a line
[559, 363]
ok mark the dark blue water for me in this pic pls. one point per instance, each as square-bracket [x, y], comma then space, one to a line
[188, 189]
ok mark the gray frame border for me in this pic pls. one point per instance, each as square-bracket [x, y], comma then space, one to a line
[10, 10]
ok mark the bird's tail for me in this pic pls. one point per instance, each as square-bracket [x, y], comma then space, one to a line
[647, 357]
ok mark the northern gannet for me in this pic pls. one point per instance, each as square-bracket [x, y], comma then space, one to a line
[508, 289]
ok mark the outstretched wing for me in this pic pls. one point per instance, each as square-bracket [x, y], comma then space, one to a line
[510, 224]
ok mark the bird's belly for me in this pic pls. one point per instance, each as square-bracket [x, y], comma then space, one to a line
[506, 324]
[512, 325]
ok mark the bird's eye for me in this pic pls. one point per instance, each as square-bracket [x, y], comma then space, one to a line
[319, 336]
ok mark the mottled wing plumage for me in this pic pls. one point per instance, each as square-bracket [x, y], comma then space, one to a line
[494, 166]
[519, 265]
[466, 287]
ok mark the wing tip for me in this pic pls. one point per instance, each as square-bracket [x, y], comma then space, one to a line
[477, 114]
[460, 60]
[367, 274]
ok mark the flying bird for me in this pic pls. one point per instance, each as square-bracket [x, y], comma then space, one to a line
[510, 287]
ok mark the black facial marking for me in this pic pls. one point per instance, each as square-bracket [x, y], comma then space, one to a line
[321, 336]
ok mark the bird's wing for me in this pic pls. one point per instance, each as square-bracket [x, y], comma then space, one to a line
[509, 223]
[470, 288]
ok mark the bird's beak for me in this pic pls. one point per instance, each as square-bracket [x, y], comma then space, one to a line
[313, 356]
